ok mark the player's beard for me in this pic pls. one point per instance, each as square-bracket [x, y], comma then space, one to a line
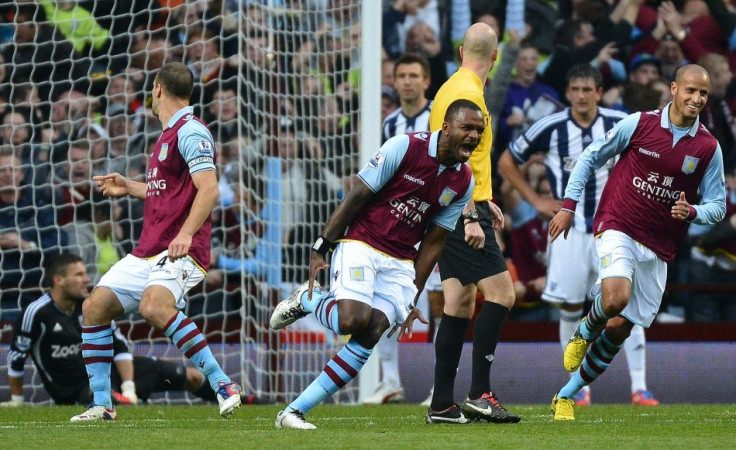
[77, 297]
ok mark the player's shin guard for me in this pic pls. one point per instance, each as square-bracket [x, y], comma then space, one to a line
[594, 321]
[447, 349]
[486, 332]
[597, 359]
[338, 372]
[97, 351]
[189, 340]
[326, 313]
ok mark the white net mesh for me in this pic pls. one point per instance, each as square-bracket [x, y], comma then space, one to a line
[276, 81]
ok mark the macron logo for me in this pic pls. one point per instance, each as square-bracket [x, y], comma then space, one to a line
[414, 180]
[648, 153]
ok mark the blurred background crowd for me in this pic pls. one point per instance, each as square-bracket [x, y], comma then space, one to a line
[281, 78]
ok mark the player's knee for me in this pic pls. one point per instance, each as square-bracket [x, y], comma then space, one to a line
[614, 302]
[505, 298]
[148, 309]
[353, 323]
[92, 312]
[618, 330]
[462, 308]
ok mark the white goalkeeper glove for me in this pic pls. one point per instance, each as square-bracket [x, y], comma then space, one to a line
[128, 391]
[15, 400]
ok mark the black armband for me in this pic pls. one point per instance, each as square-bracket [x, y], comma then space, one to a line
[322, 246]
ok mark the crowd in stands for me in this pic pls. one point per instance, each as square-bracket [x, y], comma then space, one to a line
[282, 79]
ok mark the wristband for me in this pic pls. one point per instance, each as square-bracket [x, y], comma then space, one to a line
[691, 214]
[323, 246]
[569, 204]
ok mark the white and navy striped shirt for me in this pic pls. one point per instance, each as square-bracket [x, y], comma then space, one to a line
[562, 141]
[397, 123]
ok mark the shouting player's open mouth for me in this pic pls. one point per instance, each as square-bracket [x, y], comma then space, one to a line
[467, 148]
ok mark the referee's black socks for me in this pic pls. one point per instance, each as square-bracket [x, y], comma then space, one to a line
[448, 347]
[486, 332]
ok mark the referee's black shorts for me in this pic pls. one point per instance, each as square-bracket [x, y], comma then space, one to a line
[459, 260]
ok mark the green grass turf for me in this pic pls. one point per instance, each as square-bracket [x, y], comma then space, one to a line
[387, 427]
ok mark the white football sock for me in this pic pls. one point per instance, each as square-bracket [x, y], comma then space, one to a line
[635, 347]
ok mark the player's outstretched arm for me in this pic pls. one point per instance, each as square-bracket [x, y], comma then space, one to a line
[316, 263]
[116, 185]
[336, 224]
[428, 254]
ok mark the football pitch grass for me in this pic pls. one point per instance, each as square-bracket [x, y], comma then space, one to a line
[386, 427]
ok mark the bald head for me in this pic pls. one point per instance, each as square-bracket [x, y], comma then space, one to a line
[480, 42]
[691, 69]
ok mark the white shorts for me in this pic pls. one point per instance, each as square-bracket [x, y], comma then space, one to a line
[434, 282]
[360, 272]
[572, 268]
[622, 257]
[128, 278]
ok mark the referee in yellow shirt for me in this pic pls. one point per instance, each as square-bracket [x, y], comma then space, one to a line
[471, 258]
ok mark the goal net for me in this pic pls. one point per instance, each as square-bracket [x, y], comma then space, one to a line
[278, 83]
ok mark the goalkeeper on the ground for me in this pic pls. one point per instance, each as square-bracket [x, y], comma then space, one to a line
[50, 330]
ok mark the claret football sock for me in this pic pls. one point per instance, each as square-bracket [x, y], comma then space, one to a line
[97, 351]
[189, 340]
[597, 359]
[311, 305]
[326, 312]
[594, 321]
[338, 372]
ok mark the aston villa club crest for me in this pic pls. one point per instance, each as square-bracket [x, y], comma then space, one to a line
[357, 273]
[164, 152]
[689, 165]
[447, 196]
[606, 260]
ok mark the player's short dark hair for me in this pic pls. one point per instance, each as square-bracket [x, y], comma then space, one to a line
[457, 105]
[579, 71]
[176, 79]
[413, 58]
[57, 266]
